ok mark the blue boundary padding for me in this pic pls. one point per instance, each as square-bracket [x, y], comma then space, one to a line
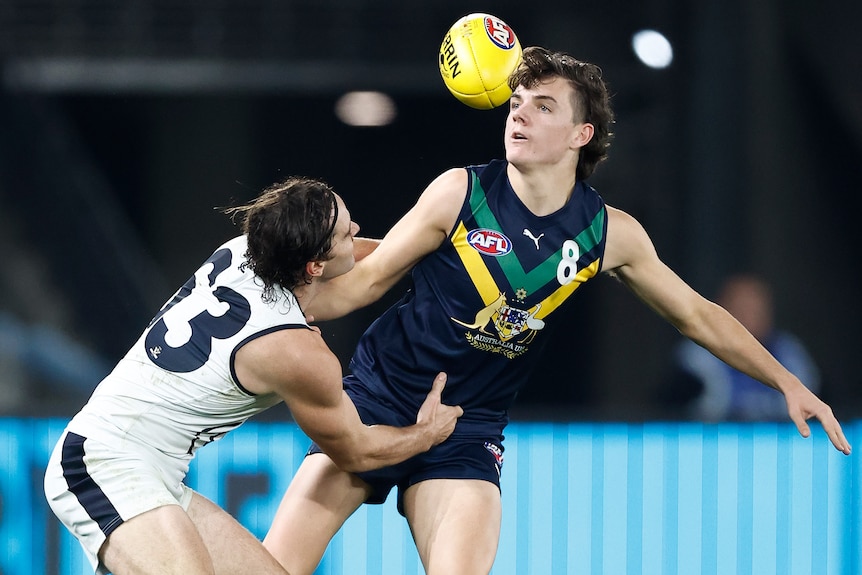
[668, 498]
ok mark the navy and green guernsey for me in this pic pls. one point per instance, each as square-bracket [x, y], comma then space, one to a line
[479, 305]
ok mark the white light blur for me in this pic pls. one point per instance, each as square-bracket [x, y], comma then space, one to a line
[365, 109]
[652, 48]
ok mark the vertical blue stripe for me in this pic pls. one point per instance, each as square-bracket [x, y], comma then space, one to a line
[744, 512]
[800, 514]
[374, 541]
[820, 505]
[391, 538]
[597, 504]
[634, 500]
[654, 497]
[854, 435]
[764, 494]
[334, 558]
[509, 486]
[541, 502]
[580, 498]
[727, 490]
[615, 477]
[671, 498]
[355, 550]
[838, 512]
[784, 465]
[522, 529]
[690, 496]
[560, 499]
[709, 502]
[14, 478]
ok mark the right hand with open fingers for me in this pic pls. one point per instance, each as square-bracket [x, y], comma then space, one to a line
[803, 405]
[438, 417]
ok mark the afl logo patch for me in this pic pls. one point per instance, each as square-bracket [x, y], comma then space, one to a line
[500, 33]
[489, 242]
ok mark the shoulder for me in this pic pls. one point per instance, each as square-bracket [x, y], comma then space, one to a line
[237, 245]
[627, 240]
[287, 362]
[451, 183]
[440, 203]
[622, 222]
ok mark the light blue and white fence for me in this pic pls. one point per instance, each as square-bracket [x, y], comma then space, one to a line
[578, 498]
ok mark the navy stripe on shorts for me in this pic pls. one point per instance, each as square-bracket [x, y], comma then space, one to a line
[89, 494]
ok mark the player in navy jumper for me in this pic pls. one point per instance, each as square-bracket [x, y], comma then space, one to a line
[495, 250]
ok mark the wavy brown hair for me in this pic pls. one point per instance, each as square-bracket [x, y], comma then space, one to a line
[591, 99]
[288, 225]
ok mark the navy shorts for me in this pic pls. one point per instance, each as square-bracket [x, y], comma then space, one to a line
[459, 457]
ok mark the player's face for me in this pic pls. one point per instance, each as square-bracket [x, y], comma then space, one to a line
[341, 259]
[540, 128]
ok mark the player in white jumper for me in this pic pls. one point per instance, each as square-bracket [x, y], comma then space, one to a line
[232, 342]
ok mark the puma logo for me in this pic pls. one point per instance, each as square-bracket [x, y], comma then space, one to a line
[535, 239]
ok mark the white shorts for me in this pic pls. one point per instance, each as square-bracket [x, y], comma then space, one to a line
[93, 488]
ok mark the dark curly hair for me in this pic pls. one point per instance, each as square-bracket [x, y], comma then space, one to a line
[591, 101]
[288, 225]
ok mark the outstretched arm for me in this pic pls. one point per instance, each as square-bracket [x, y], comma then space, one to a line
[631, 256]
[418, 233]
[364, 246]
[298, 366]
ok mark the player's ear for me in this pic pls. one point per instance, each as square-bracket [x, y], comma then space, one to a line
[582, 135]
[315, 268]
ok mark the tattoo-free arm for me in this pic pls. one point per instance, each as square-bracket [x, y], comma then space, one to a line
[631, 256]
[418, 233]
[298, 366]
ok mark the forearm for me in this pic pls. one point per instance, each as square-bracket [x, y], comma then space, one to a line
[727, 339]
[358, 447]
[344, 294]
[351, 444]
[380, 446]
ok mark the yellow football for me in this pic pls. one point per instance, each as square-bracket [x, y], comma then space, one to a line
[477, 55]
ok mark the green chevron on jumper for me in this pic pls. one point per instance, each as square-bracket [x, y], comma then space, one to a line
[512, 268]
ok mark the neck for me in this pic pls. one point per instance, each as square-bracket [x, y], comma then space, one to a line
[543, 191]
[304, 293]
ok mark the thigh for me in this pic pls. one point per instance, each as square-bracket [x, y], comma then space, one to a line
[233, 549]
[455, 524]
[201, 540]
[162, 540]
[318, 501]
[95, 489]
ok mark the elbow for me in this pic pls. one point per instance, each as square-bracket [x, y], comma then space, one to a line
[693, 331]
[353, 452]
[352, 463]
[349, 456]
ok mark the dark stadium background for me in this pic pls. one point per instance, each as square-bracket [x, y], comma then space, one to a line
[123, 126]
